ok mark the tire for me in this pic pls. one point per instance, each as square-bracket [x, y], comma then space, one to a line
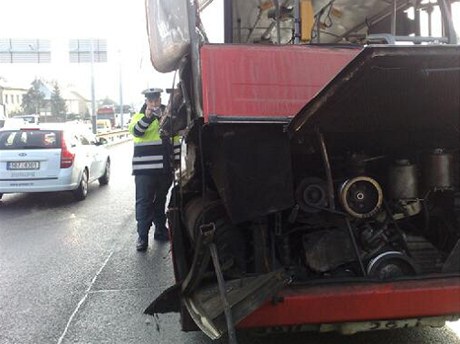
[104, 180]
[1, 195]
[81, 192]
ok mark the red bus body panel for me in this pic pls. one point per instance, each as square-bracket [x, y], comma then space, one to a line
[359, 302]
[250, 82]
[265, 81]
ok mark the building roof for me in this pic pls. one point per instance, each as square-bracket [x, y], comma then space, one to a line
[5, 86]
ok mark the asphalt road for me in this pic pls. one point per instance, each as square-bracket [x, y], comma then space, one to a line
[69, 273]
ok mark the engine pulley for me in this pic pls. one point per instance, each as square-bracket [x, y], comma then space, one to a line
[361, 197]
[311, 194]
[391, 264]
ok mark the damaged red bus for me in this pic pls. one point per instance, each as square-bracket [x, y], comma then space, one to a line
[320, 183]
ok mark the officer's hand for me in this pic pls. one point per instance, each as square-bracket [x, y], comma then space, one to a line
[148, 113]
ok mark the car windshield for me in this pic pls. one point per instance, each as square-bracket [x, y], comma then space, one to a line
[29, 139]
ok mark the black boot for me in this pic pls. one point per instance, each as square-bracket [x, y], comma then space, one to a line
[141, 244]
[161, 235]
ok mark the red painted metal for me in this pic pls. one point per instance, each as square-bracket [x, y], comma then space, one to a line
[266, 81]
[359, 302]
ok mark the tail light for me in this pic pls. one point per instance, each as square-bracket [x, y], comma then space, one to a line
[67, 156]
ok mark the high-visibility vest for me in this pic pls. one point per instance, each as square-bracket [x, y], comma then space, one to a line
[152, 153]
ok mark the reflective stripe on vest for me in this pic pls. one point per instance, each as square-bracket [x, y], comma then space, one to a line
[144, 167]
[151, 153]
[148, 147]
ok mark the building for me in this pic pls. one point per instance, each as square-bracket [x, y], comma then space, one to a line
[76, 103]
[10, 99]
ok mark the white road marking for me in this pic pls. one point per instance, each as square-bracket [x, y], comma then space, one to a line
[87, 291]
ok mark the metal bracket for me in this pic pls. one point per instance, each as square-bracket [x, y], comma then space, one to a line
[208, 232]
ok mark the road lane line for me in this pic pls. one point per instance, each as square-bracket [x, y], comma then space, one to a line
[87, 291]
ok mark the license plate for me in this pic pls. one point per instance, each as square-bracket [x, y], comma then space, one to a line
[23, 165]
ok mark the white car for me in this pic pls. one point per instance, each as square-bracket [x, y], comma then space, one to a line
[51, 157]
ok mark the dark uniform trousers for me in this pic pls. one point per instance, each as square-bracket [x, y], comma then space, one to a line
[151, 192]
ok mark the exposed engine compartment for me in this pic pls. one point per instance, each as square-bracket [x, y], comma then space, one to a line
[351, 188]
[387, 217]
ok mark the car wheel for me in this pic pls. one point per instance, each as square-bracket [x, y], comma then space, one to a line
[81, 192]
[104, 180]
[1, 195]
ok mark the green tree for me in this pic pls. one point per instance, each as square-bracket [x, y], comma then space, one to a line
[58, 105]
[34, 99]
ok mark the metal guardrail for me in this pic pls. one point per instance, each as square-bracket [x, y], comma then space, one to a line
[115, 136]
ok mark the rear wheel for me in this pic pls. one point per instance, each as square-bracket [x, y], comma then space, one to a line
[81, 192]
[104, 180]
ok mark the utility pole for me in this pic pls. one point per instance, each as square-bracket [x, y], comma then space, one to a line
[83, 51]
[93, 93]
[120, 80]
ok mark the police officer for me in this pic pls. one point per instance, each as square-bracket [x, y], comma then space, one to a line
[151, 168]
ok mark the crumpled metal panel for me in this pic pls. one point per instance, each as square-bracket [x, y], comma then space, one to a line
[202, 4]
[167, 28]
[168, 32]
[244, 297]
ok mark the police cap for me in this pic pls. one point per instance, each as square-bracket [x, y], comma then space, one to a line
[152, 93]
